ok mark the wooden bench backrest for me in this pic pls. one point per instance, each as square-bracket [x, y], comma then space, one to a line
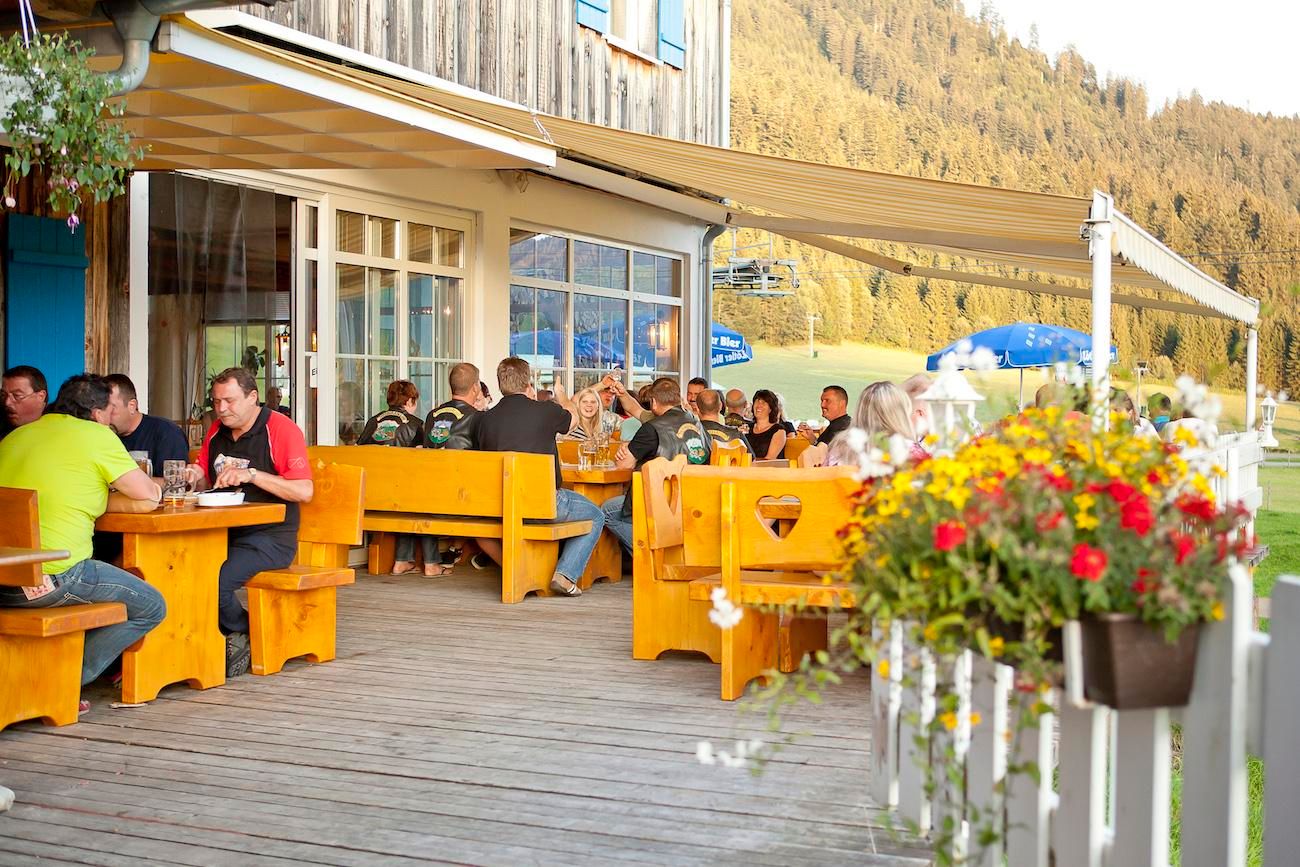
[813, 456]
[333, 517]
[730, 454]
[20, 527]
[702, 502]
[448, 481]
[811, 544]
[795, 445]
[661, 482]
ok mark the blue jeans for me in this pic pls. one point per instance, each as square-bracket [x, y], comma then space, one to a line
[614, 521]
[404, 548]
[575, 552]
[93, 581]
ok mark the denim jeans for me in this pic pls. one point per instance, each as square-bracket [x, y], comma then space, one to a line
[93, 581]
[614, 521]
[404, 548]
[575, 552]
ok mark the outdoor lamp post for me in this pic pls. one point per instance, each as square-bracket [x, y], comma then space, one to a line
[1268, 412]
[951, 397]
[1139, 370]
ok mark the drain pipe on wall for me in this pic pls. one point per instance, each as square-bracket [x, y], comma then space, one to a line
[136, 22]
[706, 284]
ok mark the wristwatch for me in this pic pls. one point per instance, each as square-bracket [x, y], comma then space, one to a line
[252, 474]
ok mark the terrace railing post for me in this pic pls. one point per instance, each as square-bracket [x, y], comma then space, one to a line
[986, 764]
[1030, 800]
[1141, 772]
[886, 699]
[1281, 709]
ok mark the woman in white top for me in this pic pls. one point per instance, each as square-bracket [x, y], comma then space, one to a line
[591, 412]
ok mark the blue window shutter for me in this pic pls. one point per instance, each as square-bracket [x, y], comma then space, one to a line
[594, 14]
[672, 32]
[46, 322]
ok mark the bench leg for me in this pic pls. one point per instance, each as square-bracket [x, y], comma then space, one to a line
[41, 678]
[527, 567]
[748, 650]
[800, 635]
[284, 624]
[606, 562]
[664, 617]
[381, 553]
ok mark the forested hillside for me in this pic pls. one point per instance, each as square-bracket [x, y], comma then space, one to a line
[925, 88]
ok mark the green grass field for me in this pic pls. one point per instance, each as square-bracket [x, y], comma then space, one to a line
[789, 371]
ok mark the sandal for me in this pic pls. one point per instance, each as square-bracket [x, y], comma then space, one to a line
[436, 570]
[83, 706]
[563, 586]
[410, 567]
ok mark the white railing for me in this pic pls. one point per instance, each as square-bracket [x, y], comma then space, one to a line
[1111, 804]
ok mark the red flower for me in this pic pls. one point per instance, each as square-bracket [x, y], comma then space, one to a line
[1095, 487]
[1060, 482]
[1121, 492]
[1184, 547]
[948, 535]
[1047, 522]
[1143, 584]
[1196, 507]
[1153, 477]
[1136, 515]
[1088, 563]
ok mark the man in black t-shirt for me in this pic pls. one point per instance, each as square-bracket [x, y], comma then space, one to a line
[162, 438]
[520, 423]
[835, 409]
[453, 425]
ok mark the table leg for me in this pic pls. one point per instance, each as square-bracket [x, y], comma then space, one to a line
[607, 559]
[187, 645]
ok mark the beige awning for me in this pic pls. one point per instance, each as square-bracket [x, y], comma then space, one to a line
[215, 101]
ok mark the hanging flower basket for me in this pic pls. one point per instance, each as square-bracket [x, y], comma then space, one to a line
[1128, 665]
[54, 113]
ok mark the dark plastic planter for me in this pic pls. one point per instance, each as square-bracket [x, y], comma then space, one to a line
[1128, 665]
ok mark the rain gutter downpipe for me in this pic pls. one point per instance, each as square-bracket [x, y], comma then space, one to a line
[136, 22]
[706, 277]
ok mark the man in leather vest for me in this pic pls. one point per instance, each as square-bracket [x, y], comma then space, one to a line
[671, 432]
[452, 425]
[710, 403]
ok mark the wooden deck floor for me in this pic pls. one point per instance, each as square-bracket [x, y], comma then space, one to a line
[451, 729]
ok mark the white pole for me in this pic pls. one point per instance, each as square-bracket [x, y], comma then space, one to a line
[1252, 376]
[1099, 250]
[1022, 389]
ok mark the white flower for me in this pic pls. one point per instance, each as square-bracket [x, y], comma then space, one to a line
[900, 450]
[704, 753]
[744, 751]
[724, 614]
[947, 362]
[856, 439]
[983, 360]
[1283, 397]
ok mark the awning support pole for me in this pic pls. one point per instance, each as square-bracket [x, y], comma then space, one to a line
[1022, 389]
[1252, 376]
[1099, 234]
[706, 289]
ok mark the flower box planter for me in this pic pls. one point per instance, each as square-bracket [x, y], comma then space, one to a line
[1128, 665]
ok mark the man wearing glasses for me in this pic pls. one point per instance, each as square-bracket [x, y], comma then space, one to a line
[26, 394]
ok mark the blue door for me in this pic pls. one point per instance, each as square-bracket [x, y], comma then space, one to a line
[45, 325]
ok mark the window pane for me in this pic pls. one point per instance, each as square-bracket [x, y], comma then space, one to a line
[544, 257]
[668, 277]
[598, 265]
[382, 298]
[351, 306]
[430, 377]
[451, 248]
[350, 229]
[655, 338]
[448, 318]
[599, 332]
[383, 237]
[537, 319]
[419, 243]
[311, 231]
[643, 272]
[381, 373]
[351, 400]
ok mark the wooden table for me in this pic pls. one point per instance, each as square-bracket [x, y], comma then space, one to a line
[180, 553]
[784, 510]
[599, 485]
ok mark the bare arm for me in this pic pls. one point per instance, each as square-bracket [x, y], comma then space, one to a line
[623, 458]
[563, 400]
[136, 485]
[289, 490]
[777, 446]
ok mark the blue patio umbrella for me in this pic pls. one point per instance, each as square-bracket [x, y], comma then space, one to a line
[729, 347]
[1026, 345]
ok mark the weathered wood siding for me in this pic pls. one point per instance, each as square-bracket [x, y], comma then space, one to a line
[532, 52]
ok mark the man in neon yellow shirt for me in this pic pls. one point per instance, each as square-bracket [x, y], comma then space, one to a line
[70, 457]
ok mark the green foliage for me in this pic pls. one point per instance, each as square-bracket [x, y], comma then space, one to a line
[54, 112]
[919, 87]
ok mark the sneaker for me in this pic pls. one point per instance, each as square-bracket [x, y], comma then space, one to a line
[239, 654]
[564, 587]
[481, 561]
[83, 706]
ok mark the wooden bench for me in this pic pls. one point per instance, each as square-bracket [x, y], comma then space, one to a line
[729, 454]
[496, 495]
[760, 567]
[795, 445]
[40, 648]
[293, 611]
[677, 539]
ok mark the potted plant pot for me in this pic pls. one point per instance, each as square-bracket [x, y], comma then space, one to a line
[1129, 665]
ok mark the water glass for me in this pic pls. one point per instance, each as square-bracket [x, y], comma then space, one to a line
[175, 483]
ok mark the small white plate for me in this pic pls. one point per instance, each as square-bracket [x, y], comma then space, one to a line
[221, 498]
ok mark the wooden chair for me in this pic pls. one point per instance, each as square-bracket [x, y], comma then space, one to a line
[760, 567]
[795, 445]
[40, 648]
[293, 611]
[729, 454]
[568, 450]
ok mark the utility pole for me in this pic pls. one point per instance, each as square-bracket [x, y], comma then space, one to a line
[813, 318]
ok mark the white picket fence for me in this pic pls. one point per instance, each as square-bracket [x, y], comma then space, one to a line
[1110, 805]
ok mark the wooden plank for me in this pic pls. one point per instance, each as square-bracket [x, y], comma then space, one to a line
[1142, 779]
[886, 702]
[1280, 709]
[165, 521]
[1030, 801]
[1079, 837]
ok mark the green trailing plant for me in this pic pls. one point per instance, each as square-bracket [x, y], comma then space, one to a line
[55, 114]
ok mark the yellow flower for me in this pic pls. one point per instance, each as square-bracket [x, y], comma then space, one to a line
[882, 561]
[930, 633]
[996, 645]
[1217, 611]
[1084, 501]
[882, 668]
[1085, 521]
[949, 720]
[1038, 455]
[975, 718]
[902, 481]
[957, 497]
[1185, 435]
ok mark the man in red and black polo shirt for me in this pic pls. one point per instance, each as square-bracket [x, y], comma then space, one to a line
[263, 453]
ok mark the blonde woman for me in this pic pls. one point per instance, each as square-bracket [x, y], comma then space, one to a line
[884, 410]
[591, 410]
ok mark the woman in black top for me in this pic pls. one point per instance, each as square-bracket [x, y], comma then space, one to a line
[767, 436]
[399, 426]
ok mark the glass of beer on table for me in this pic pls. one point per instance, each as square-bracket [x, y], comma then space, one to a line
[176, 484]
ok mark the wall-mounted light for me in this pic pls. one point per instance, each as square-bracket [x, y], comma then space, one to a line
[282, 344]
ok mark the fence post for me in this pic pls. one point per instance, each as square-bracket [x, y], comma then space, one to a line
[950, 771]
[886, 696]
[1281, 709]
[914, 736]
[986, 763]
[1141, 772]
[1029, 796]
[1214, 737]
[1079, 833]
